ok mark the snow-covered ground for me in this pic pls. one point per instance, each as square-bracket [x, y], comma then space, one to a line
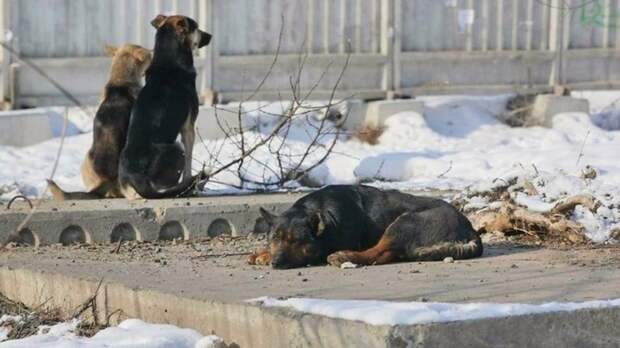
[130, 333]
[459, 143]
[411, 313]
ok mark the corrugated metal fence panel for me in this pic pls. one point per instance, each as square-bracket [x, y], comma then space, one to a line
[430, 45]
[595, 24]
[449, 25]
[249, 27]
[70, 28]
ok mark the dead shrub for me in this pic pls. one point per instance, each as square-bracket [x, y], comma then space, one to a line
[369, 134]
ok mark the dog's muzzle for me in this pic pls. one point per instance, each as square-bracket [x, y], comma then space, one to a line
[278, 261]
[205, 38]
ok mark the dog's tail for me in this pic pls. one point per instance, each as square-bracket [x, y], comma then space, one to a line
[59, 195]
[456, 250]
[144, 187]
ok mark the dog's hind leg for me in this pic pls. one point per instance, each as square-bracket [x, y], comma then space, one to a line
[387, 250]
[431, 235]
[188, 136]
[381, 253]
[167, 165]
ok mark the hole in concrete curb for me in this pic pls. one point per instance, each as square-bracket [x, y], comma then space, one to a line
[219, 227]
[126, 231]
[26, 236]
[73, 234]
[172, 230]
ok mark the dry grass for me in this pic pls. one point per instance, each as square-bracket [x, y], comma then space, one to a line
[32, 319]
[369, 134]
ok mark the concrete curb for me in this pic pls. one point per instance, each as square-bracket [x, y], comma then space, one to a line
[108, 220]
[249, 325]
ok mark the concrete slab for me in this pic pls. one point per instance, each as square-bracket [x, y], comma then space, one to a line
[546, 106]
[228, 118]
[207, 293]
[378, 111]
[373, 114]
[216, 270]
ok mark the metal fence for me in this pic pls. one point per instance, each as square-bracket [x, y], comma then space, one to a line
[408, 46]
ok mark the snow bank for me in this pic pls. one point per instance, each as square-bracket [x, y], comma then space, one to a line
[550, 188]
[410, 313]
[130, 333]
[457, 144]
[4, 321]
[604, 107]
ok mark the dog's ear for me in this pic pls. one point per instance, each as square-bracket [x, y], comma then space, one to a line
[269, 217]
[141, 55]
[158, 21]
[320, 223]
[110, 51]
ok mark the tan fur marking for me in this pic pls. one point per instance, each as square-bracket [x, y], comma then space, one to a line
[90, 178]
[262, 257]
[188, 136]
[128, 65]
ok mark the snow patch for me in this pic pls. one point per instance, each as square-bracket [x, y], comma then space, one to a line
[411, 313]
[131, 333]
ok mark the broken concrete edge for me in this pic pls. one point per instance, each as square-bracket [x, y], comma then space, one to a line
[251, 325]
[104, 221]
[21, 128]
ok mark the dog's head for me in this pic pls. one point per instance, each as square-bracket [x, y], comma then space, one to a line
[185, 29]
[294, 238]
[129, 62]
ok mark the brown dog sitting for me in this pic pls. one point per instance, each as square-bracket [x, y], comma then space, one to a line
[100, 167]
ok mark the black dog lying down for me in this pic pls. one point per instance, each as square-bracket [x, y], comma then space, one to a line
[366, 226]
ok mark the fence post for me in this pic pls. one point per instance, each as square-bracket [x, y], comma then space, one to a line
[397, 47]
[206, 21]
[559, 40]
[554, 40]
[387, 46]
[5, 56]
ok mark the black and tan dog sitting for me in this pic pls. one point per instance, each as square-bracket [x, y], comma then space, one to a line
[366, 226]
[100, 167]
[152, 160]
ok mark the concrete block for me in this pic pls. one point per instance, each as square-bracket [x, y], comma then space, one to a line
[108, 220]
[349, 114]
[28, 127]
[209, 116]
[377, 112]
[355, 114]
[546, 106]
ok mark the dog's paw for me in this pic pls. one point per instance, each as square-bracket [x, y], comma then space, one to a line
[260, 258]
[340, 257]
